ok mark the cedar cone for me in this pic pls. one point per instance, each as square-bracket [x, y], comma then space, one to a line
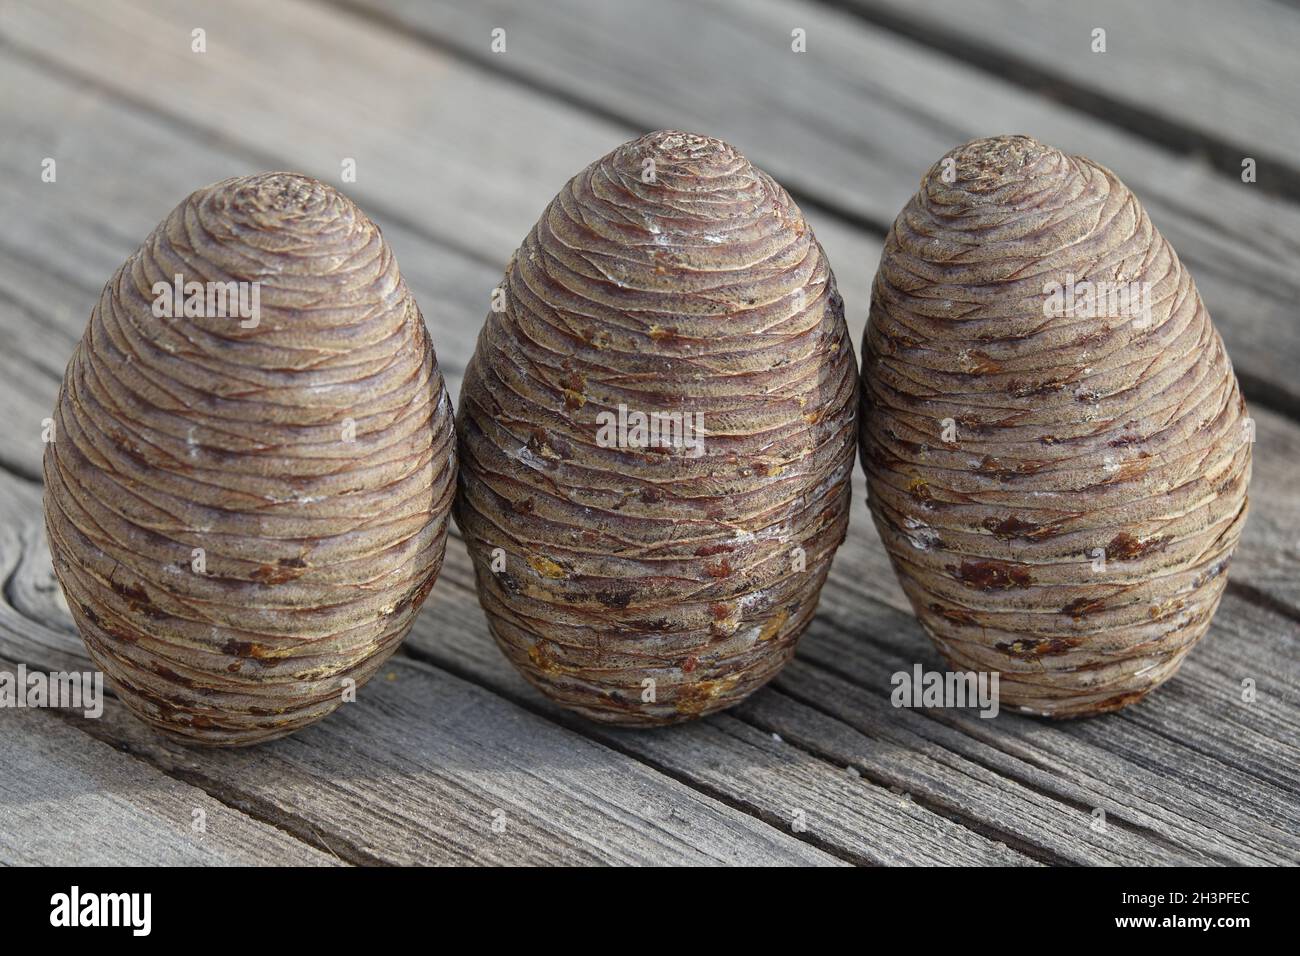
[1060, 484]
[244, 512]
[638, 583]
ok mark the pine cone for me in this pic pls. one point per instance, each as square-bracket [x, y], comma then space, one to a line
[1058, 470]
[639, 582]
[247, 504]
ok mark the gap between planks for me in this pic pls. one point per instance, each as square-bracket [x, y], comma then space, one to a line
[547, 62]
[985, 46]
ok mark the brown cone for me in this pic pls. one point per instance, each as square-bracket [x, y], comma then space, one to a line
[702, 291]
[186, 433]
[1074, 530]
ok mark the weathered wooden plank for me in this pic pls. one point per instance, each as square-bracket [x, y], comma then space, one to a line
[1055, 778]
[852, 723]
[66, 799]
[1194, 75]
[452, 152]
[855, 816]
[417, 771]
[855, 121]
[1258, 740]
[426, 769]
[1196, 731]
[1017, 779]
[1189, 768]
[457, 637]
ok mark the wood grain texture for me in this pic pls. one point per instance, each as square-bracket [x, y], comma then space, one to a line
[498, 152]
[853, 123]
[1038, 798]
[67, 799]
[1195, 75]
[856, 817]
[1216, 790]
